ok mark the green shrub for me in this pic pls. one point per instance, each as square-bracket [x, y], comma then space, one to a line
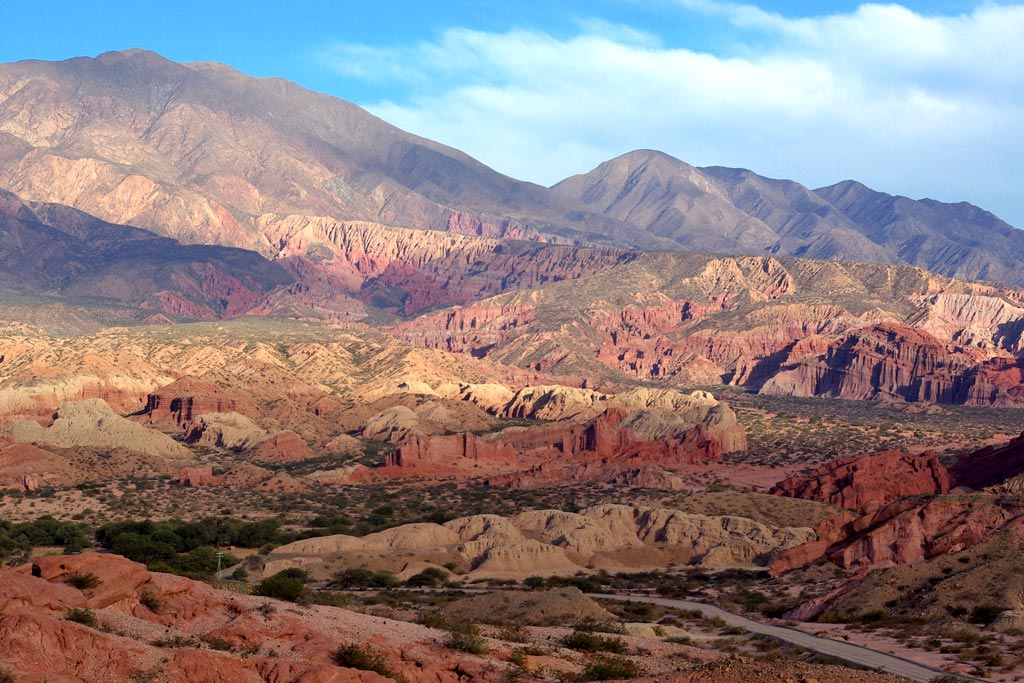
[610, 668]
[365, 658]
[363, 578]
[429, 577]
[985, 614]
[282, 588]
[466, 637]
[82, 615]
[83, 581]
[586, 641]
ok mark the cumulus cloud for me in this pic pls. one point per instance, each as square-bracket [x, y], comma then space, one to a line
[908, 103]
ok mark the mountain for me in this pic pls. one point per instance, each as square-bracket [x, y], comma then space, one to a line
[206, 155]
[48, 248]
[729, 210]
[199, 151]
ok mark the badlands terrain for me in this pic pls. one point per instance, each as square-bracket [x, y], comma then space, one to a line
[290, 395]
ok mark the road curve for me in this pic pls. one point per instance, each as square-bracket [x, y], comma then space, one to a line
[847, 652]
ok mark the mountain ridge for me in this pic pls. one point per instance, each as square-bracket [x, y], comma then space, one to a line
[200, 152]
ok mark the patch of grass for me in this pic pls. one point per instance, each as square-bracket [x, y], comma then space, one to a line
[83, 616]
[82, 581]
[150, 601]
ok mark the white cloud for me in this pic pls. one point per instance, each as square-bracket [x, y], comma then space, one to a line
[914, 104]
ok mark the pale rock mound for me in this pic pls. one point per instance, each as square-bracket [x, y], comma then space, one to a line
[392, 423]
[92, 424]
[550, 542]
[555, 402]
[232, 431]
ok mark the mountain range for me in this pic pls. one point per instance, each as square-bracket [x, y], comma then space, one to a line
[202, 153]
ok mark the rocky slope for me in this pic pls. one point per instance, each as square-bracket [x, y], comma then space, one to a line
[638, 437]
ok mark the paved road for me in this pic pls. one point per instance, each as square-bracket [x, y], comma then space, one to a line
[847, 652]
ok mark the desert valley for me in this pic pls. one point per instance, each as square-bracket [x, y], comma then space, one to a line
[290, 395]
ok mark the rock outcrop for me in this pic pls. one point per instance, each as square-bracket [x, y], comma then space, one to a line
[184, 400]
[990, 466]
[867, 483]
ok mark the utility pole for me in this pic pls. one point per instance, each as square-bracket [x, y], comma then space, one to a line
[220, 556]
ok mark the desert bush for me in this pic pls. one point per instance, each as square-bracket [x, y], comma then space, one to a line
[83, 581]
[985, 614]
[6, 676]
[281, 587]
[429, 577]
[680, 640]
[82, 615]
[514, 634]
[600, 627]
[586, 641]
[150, 601]
[365, 658]
[363, 578]
[466, 637]
[610, 668]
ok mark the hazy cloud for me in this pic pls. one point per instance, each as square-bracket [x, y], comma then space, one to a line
[911, 104]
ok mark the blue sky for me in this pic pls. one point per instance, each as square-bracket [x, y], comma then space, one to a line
[918, 98]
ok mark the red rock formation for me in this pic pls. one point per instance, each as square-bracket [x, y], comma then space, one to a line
[893, 361]
[181, 401]
[473, 330]
[602, 450]
[909, 531]
[282, 447]
[451, 451]
[868, 482]
[990, 465]
[198, 476]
